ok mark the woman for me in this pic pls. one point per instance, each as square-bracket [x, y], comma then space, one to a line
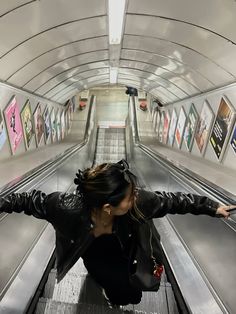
[99, 222]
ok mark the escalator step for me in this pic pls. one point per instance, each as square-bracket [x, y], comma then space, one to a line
[49, 287]
[48, 306]
[172, 306]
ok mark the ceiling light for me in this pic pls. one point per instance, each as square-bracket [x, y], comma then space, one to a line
[116, 10]
[113, 75]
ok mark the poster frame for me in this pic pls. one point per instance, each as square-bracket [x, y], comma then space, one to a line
[172, 140]
[208, 106]
[192, 107]
[13, 151]
[229, 128]
[179, 144]
[46, 115]
[27, 142]
[38, 141]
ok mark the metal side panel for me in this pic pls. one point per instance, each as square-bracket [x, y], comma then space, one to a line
[26, 282]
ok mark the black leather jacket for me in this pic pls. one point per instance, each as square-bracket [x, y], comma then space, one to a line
[73, 226]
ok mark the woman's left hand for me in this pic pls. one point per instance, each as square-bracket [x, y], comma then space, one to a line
[223, 211]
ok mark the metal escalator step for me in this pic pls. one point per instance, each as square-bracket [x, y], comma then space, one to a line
[153, 302]
[48, 306]
[68, 289]
[172, 306]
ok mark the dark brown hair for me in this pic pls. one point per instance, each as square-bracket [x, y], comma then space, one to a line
[106, 183]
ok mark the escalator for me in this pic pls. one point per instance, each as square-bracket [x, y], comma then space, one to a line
[77, 292]
[194, 251]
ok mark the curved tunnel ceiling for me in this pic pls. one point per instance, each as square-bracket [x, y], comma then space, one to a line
[172, 49]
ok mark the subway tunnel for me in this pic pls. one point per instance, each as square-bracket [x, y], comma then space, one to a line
[82, 71]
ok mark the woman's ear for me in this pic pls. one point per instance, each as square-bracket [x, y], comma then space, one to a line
[107, 208]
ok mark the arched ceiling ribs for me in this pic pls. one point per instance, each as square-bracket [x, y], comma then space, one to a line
[101, 63]
[166, 82]
[16, 8]
[50, 94]
[80, 41]
[195, 87]
[52, 28]
[63, 60]
[170, 58]
[183, 22]
[184, 47]
[79, 77]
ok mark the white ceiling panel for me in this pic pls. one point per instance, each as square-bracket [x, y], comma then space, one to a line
[194, 82]
[187, 56]
[51, 39]
[70, 73]
[174, 49]
[47, 59]
[82, 82]
[200, 40]
[63, 66]
[215, 15]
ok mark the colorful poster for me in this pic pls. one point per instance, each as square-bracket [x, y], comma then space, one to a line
[161, 126]
[222, 126]
[166, 127]
[63, 126]
[190, 127]
[180, 127]
[53, 125]
[173, 124]
[203, 127]
[47, 126]
[27, 124]
[233, 140]
[13, 123]
[39, 124]
[3, 135]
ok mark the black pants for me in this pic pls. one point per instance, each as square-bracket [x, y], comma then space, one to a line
[108, 265]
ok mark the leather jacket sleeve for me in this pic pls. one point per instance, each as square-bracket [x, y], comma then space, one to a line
[158, 204]
[34, 203]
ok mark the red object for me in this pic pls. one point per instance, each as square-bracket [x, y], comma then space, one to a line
[158, 270]
[82, 105]
[143, 106]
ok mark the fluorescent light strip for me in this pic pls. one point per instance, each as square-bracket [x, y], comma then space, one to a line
[116, 10]
[113, 75]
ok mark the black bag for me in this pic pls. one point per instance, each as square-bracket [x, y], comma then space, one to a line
[146, 264]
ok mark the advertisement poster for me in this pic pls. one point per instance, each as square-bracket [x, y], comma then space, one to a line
[161, 126]
[166, 127]
[190, 127]
[3, 135]
[39, 124]
[180, 127]
[63, 125]
[158, 117]
[27, 124]
[222, 126]
[53, 125]
[173, 124]
[47, 126]
[58, 119]
[233, 140]
[13, 123]
[203, 127]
